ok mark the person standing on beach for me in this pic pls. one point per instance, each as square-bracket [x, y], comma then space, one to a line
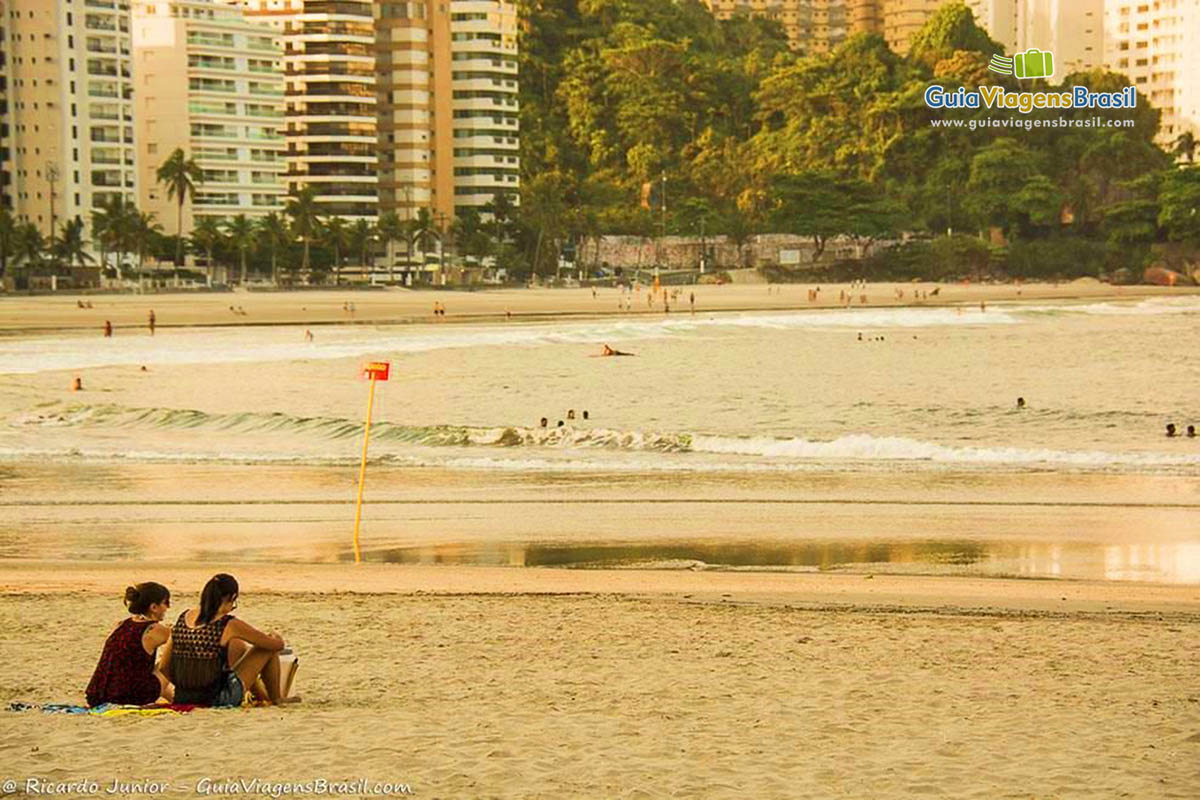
[152, 321]
[107, 329]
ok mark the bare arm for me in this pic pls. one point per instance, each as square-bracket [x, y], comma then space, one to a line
[164, 658]
[236, 629]
[155, 637]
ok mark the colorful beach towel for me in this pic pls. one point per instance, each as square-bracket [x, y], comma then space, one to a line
[105, 710]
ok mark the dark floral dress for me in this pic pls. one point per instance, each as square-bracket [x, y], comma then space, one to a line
[125, 674]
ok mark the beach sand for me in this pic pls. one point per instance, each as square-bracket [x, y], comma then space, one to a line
[495, 682]
[501, 681]
[395, 305]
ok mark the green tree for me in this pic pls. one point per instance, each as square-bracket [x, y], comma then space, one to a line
[181, 175]
[1179, 205]
[70, 244]
[274, 235]
[143, 230]
[336, 234]
[207, 237]
[302, 209]
[1184, 146]
[241, 233]
[8, 235]
[391, 230]
[421, 233]
[361, 236]
[30, 246]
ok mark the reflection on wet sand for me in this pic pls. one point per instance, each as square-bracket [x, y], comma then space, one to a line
[1173, 563]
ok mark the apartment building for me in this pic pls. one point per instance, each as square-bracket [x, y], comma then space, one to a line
[903, 18]
[70, 107]
[6, 182]
[1156, 43]
[812, 26]
[1071, 29]
[331, 100]
[209, 82]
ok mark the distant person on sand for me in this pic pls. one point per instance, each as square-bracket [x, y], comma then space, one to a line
[153, 320]
[1170, 430]
[214, 658]
[308, 335]
[126, 673]
[692, 301]
[107, 329]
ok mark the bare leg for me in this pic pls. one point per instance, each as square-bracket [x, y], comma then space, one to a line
[258, 662]
[167, 691]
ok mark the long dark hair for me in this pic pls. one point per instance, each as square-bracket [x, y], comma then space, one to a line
[138, 599]
[219, 588]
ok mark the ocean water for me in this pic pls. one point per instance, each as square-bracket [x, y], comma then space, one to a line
[720, 400]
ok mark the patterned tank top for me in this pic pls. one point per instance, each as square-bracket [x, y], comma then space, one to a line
[197, 657]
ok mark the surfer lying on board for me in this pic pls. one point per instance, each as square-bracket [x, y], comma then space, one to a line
[608, 351]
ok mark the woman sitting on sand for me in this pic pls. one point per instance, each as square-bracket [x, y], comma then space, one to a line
[126, 673]
[214, 657]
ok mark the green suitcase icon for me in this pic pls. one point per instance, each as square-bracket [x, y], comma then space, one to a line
[1033, 63]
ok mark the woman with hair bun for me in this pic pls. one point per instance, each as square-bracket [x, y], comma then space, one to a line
[126, 674]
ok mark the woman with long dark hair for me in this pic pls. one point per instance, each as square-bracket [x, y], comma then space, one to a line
[126, 673]
[214, 658]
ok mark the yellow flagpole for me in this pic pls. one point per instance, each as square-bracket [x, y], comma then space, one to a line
[362, 470]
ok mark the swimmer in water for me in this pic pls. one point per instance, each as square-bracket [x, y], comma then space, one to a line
[1020, 402]
[1191, 429]
[608, 351]
[545, 422]
[1170, 428]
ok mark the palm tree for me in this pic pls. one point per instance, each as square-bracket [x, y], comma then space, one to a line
[274, 232]
[302, 208]
[336, 235]
[1185, 146]
[181, 175]
[391, 230]
[206, 235]
[362, 235]
[241, 235]
[30, 245]
[111, 228]
[143, 229]
[8, 235]
[421, 233]
[71, 243]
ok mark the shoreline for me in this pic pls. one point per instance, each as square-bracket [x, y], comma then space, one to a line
[48, 314]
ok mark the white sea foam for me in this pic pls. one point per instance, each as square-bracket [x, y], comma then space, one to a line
[233, 345]
[896, 448]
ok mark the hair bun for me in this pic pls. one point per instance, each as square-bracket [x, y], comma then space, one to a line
[131, 595]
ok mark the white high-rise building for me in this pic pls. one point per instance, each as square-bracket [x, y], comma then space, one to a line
[1157, 44]
[1073, 30]
[69, 77]
[210, 83]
